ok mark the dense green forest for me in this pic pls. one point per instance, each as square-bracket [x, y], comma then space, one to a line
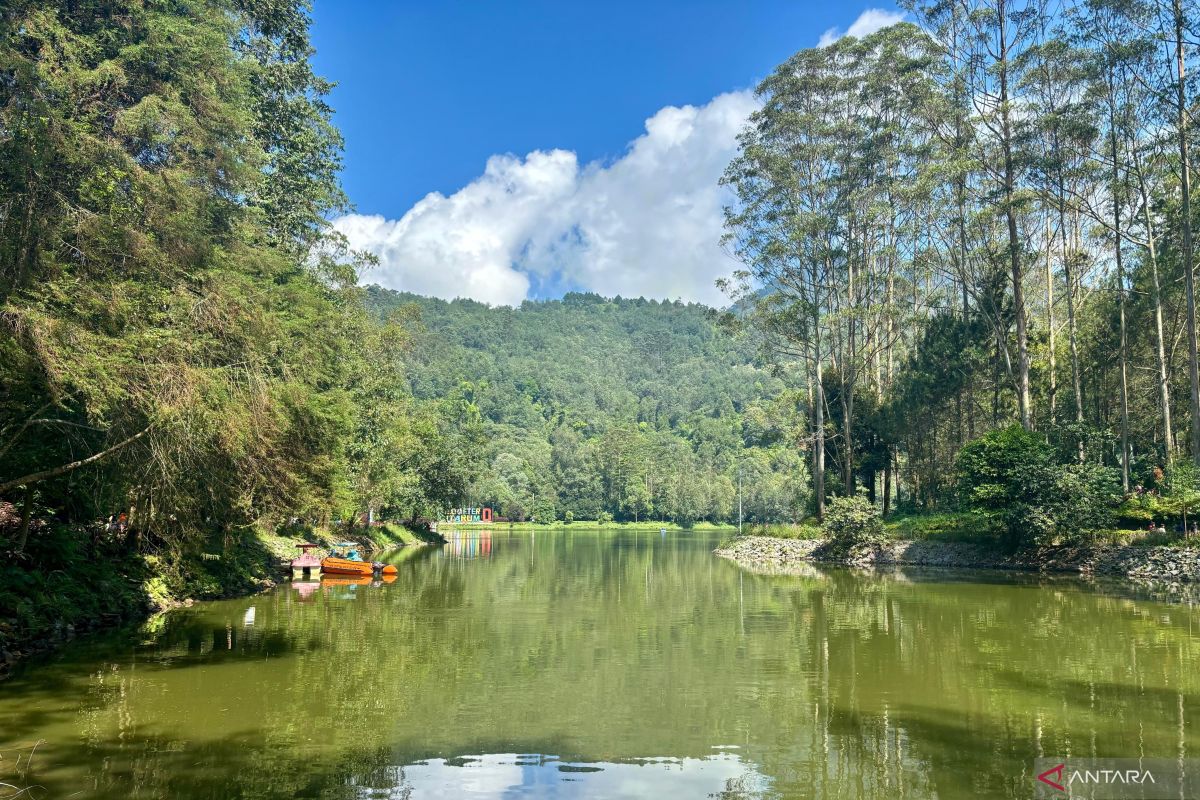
[626, 409]
[186, 350]
[182, 338]
[977, 219]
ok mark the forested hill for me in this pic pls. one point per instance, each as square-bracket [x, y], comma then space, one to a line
[592, 407]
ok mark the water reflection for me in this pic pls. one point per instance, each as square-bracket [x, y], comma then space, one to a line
[468, 544]
[721, 775]
[606, 649]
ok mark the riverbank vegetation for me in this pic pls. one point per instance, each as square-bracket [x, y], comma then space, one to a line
[74, 579]
[187, 365]
[978, 219]
[185, 345]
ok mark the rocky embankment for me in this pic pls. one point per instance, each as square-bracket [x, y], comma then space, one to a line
[1165, 564]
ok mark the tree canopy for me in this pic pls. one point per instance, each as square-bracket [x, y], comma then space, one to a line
[589, 406]
[181, 335]
[980, 217]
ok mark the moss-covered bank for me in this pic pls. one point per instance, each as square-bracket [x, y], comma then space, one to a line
[69, 582]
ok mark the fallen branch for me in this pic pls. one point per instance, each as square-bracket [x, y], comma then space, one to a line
[35, 477]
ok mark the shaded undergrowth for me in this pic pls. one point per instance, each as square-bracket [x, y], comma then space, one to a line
[67, 581]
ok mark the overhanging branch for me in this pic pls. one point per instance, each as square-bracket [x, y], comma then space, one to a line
[35, 477]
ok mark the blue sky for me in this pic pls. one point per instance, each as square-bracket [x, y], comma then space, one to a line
[568, 145]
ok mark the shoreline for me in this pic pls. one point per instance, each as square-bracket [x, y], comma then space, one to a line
[584, 525]
[1164, 564]
[255, 566]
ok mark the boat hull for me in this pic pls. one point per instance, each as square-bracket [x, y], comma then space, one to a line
[344, 566]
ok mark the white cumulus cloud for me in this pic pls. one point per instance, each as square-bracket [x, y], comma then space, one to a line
[868, 22]
[463, 245]
[646, 224]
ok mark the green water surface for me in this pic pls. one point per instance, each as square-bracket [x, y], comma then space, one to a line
[606, 664]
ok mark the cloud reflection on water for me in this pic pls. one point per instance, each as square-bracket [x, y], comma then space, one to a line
[503, 775]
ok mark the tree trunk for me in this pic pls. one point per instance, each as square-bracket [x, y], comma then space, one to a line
[133, 541]
[819, 436]
[1050, 326]
[848, 481]
[1014, 245]
[819, 450]
[1164, 386]
[1116, 198]
[887, 482]
[1186, 188]
[26, 518]
[960, 192]
[1072, 340]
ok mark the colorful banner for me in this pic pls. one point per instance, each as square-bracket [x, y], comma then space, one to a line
[470, 514]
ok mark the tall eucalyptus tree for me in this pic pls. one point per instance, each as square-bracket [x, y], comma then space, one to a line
[821, 181]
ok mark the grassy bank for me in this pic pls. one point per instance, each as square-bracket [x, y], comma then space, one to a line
[71, 581]
[582, 525]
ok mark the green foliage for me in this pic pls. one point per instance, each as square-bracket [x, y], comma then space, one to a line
[853, 521]
[1180, 497]
[1012, 478]
[395, 533]
[643, 410]
[543, 510]
[1009, 476]
[87, 585]
[945, 526]
[174, 302]
[1139, 512]
[161, 289]
[1088, 499]
[779, 531]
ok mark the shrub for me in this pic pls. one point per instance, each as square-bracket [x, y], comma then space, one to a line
[542, 511]
[947, 526]
[787, 531]
[1181, 485]
[851, 521]
[1012, 477]
[1088, 496]
[1137, 512]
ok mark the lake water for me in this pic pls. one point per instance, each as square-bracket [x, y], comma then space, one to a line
[605, 664]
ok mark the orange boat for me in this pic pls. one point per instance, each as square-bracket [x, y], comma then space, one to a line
[332, 565]
[347, 563]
